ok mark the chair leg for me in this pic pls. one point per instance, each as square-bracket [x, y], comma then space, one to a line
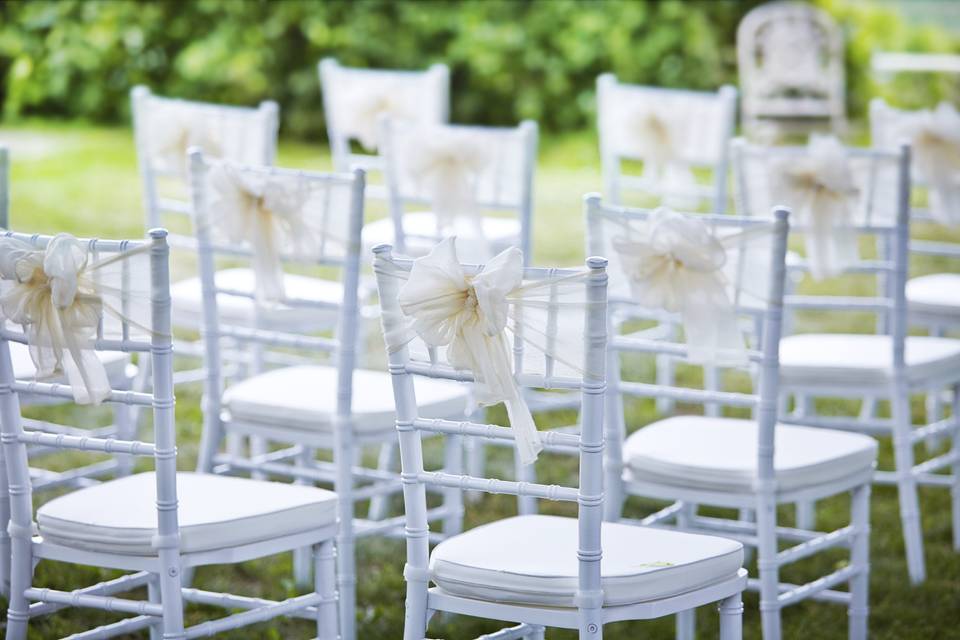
[860, 560]
[591, 624]
[907, 487]
[955, 467]
[731, 618]
[302, 563]
[344, 453]
[686, 623]
[416, 616]
[453, 497]
[934, 403]
[385, 459]
[325, 585]
[153, 595]
[537, 633]
[747, 515]
[171, 598]
[807, 515]
[767, 565]
[21, 570]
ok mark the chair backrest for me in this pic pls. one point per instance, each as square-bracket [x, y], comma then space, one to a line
[696, 127]
[460, 172]
[790, 62]
[164, 128]
[743, 296]
[561, 310]
[880, 210]
[121, 303]
[276, 218]
[355, 99]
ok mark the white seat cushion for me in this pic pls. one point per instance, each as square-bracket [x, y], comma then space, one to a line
[304, 398]
[721, 454]
[421, 229]
[216, 512]
[937, 294]
[187, 298]
[533, 560]
[115, 362]
[849, 359]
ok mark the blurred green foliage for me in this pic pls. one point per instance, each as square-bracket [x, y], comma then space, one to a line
[509, 59]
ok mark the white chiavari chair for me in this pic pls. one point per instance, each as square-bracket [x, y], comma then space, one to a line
[888, 365]
[538, 571]
[721, 274]
[790, 62]
[475, 182]
[280, 219]
[114, 295]
[678, 135]
[934, 136]
[121, 373]
[355, 99]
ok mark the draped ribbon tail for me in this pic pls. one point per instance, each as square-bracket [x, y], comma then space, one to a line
[86, 375]
[527, 437]
[713, 334]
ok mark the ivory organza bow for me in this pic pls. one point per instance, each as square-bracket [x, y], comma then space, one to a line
[676, 263]
[364, 107]
[55, 294]
[656, 135]
[935, 137]
[448, 165]
[265, 211]
[174, 130]
[468, 315]
[820, 188]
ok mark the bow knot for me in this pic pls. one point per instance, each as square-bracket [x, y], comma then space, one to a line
[175, 130]
[821, 189]
[468, 316]
[53, 296]
[267, 213]
[676, 264]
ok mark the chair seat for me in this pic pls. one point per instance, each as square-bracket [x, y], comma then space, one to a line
[421, 230]
[115, 363]
[721, 454]
[862, 360]
[304, 398]
[187, 298]
[533, 560]
[216, 512]
[936, 294]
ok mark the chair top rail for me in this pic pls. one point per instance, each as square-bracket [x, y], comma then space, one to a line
[99, 344]
[142, 91]
[610, 210]
[386, 251]
[40, 241]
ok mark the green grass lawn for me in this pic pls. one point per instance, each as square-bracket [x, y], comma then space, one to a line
[84, 180]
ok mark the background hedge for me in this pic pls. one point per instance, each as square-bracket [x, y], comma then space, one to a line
[510, 59]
